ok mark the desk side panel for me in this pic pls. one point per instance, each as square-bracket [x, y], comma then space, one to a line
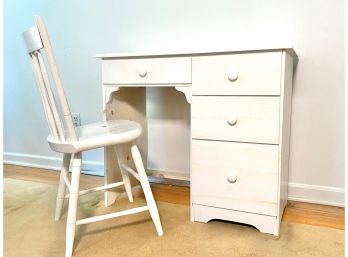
[128, 104]
[285, 122]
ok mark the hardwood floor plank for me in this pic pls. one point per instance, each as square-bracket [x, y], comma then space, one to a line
[171, 194]
[314, 214]
[297, 212]
[47, 176]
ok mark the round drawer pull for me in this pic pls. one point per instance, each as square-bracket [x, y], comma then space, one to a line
[233, 76]
[143, 73]
[232, 120]
[232, 177]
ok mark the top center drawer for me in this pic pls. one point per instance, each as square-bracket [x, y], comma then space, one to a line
[237, 74]
[172, 70]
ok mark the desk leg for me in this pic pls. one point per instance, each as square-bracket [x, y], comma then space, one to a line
[126, 103]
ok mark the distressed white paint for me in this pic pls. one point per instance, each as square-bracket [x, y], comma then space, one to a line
[286, 84]
[251, 74]
[147, 71]
[255, 167]
[264, 223]
[239, 144]
[254, 119]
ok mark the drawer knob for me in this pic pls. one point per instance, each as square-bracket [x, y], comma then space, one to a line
[233, 76]
[232, 120]
[232, 177]
[143, 73]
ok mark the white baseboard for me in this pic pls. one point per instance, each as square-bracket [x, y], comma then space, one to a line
[48, 162]
[167, 174]
[296, 192]
[316, 194]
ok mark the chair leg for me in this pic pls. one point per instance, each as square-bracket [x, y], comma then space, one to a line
[61, 188]
[125, 176]
[147, 189]
[73, 197]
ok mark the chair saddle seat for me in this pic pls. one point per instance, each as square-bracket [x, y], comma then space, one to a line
[96, 135]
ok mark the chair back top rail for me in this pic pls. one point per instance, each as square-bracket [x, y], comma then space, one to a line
[32, 39]
[36, 38]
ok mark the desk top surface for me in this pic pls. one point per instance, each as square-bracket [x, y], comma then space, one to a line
[133, 55]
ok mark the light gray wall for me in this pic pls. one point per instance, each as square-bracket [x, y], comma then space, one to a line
[80, 29]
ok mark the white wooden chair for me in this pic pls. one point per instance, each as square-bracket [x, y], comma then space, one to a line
[65, 139]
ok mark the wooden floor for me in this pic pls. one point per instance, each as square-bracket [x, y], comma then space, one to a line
[297, 212]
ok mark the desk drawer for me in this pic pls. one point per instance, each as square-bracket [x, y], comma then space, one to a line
[147, 71]
[237, 176]
[237, 74]
[236, 118]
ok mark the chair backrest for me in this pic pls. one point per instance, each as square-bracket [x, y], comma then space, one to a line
[60, 124]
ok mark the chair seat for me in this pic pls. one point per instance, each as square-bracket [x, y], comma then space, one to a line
[96, 135]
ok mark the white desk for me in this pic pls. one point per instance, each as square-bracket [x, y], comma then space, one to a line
[240, 125]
